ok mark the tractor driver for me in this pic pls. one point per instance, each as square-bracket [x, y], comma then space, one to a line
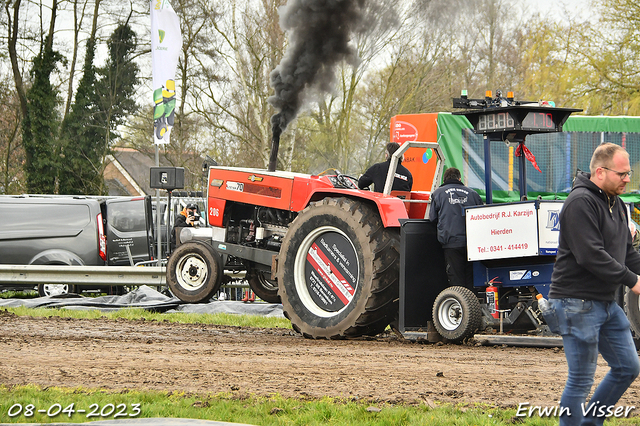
[377, 174]
[187, 217]
[447, 209]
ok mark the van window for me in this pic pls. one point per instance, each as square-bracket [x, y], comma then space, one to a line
[45, 216]
[127, 216]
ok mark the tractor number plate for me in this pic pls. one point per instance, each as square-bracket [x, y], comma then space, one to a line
[235, 186]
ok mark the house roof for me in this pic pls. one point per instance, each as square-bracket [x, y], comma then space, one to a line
[128, 171]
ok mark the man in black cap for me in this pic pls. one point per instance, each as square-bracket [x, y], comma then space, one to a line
[187, 217]
[377, 174]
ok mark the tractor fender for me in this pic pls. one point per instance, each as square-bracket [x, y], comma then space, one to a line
[391, 209]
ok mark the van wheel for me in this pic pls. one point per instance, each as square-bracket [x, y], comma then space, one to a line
[47, 290]
[194, 272]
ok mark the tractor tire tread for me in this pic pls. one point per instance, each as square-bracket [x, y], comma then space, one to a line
[382, 301]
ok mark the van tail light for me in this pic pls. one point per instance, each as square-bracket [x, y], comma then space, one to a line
[102, 239]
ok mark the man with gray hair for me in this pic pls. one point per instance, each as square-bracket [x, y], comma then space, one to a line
[595, 257]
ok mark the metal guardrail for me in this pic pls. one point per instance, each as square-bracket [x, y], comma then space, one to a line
[83, 275]
[93, 275]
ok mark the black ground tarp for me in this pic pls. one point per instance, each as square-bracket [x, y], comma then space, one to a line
[147, 298]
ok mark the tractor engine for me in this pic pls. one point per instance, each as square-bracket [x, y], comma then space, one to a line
[258, 226]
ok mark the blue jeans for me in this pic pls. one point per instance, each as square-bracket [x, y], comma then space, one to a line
[588, 327]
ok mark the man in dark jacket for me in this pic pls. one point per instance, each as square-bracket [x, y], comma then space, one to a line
[377, 174]
[595, 256]
[447, 209]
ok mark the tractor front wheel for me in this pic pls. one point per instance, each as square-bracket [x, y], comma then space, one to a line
[456, 313]
[194, 272]
[338, 270]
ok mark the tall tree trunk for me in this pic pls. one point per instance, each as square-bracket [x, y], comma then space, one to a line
[7, 159]
[12, 39]
[52, 24]
[77, 24]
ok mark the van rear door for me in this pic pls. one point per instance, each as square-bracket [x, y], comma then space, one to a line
[129, 229]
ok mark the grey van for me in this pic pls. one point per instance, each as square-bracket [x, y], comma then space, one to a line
[65, 230]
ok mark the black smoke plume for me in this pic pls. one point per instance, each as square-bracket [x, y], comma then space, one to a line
[319, 32]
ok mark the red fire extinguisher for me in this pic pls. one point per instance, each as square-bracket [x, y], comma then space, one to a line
[492, 298]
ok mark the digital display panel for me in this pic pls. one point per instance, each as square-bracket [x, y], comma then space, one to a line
[516, 122]
[495, 121]
[538, 121]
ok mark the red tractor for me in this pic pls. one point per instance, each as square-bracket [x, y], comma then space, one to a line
[347, 263]
[325, 249]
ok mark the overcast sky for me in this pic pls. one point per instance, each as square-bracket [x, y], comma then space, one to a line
[560, 8]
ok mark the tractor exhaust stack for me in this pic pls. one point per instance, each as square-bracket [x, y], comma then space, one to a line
[275, 145]
[276, 130]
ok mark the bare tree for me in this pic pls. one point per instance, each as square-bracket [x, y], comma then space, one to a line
[610, 50]
[415, 74]
[13, 35]
[79, 12]
[341, 130]
[235, 106]
[11, 151]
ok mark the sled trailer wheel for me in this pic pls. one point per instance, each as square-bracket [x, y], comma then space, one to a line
[456, 313]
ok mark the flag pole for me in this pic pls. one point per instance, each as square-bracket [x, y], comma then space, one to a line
[158, 213]
[166, 43]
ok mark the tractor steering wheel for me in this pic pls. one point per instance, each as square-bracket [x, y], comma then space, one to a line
[346, 181]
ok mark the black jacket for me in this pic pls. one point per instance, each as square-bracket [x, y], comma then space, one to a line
[377, 175]
[595, 254]
[180, 222]
[447, 208]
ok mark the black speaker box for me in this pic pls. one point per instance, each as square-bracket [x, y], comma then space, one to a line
[168, 178]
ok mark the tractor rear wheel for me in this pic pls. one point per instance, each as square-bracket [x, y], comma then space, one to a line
[338, 270]
[456, 313]
[194, 272]
[262, 286]
[632, 309]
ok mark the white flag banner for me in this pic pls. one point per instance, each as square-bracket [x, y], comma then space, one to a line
[166, 42]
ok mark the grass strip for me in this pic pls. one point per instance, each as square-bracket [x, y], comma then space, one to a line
[26, 294]
[32, 404]
[239, 320]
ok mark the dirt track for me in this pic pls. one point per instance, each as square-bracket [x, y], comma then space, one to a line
[203, 358]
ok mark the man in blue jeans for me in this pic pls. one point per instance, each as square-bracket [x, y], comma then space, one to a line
[595, 257]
